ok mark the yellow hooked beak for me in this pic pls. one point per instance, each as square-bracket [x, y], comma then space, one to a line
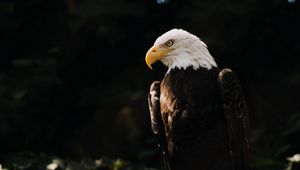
[153, 55]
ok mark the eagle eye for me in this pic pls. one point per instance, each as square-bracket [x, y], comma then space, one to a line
[169, 43]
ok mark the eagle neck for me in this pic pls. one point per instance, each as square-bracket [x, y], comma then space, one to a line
[190, 69]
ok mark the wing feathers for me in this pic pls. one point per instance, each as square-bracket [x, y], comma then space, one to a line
[157, 123]
[235, 110]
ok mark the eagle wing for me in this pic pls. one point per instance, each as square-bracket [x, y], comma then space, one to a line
[157, 123]
[236, 115]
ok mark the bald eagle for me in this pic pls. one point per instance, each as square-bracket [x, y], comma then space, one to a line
[198, 112]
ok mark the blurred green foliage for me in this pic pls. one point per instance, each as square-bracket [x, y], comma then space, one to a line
[73, 82]
[29, 161]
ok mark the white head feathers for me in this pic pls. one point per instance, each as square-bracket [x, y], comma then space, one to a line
[186, 50]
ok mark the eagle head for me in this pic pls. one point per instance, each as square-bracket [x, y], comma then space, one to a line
[178, 48]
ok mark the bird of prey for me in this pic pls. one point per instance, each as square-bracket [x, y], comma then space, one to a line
[198, 112]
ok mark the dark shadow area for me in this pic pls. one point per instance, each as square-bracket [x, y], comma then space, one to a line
[74, 83]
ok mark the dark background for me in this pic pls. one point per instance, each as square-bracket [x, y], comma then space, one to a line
[73, 81]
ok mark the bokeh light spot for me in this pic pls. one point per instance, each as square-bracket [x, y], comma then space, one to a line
[291, 1]
[162, 1]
